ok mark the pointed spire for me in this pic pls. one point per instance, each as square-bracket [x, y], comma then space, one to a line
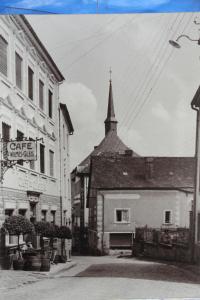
[110, 122]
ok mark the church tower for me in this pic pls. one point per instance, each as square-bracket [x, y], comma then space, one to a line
[110, 122]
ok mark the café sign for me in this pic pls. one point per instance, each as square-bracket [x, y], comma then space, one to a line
[21, 150]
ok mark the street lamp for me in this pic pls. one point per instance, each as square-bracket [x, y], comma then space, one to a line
[195, 104]
[175, 43]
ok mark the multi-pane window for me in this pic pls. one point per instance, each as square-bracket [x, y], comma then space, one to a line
[3, 56]
[18, 70]
[50, 96]
[30, 83]
[122, 215]
[20, 136]
[51, 163]
[167, 217]
[6, 137]
[41, 94]
[42, 158]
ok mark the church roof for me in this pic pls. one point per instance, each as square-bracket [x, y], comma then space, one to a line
[111, 144]
[124, 172]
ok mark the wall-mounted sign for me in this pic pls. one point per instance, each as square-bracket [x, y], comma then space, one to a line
[21, 150]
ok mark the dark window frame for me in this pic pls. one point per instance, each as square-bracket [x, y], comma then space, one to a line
[42, 158]
[3, 56]
[18, 70]
[30, 83]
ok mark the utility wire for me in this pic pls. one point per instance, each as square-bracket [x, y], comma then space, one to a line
[98, 44]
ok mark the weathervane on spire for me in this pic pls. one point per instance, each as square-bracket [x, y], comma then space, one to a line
[110, 71]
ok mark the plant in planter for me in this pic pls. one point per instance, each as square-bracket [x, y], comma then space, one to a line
[63, 233]
[18, 225]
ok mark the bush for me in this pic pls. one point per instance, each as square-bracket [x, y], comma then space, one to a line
[64, 232]
[16, 225]
[42, 228]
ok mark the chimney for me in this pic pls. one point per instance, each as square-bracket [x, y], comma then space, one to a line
[128, 152]
[149, 168]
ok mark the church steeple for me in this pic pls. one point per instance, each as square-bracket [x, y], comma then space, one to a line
[110, 122]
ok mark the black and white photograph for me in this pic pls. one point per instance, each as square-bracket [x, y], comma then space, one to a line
[100, 156]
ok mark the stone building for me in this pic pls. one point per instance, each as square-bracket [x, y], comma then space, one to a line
[111, 144]
[128, 192]
[30, 109]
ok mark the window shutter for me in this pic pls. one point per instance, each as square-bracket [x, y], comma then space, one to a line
[3, 56]
[6, 138]
[30, 83]
[51, 162]
[42, 157]
[41, 94]
[50, 104]
[18, 70]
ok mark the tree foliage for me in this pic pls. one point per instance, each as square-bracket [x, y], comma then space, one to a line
[16, 225]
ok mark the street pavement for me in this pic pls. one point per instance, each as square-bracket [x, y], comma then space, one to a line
[107, 278]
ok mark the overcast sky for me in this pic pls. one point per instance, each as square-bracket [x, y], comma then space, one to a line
[153, 83]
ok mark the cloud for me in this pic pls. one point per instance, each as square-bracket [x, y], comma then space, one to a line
[81, 103]
[160, 112]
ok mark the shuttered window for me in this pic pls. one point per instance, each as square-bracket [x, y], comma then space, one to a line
[50, 104]
[18, 70]
[41, 94]
[51, 162]
[30, 83]
[6, 138]
[32, 162]
[20, 136]
[42, 158]
[3, 56]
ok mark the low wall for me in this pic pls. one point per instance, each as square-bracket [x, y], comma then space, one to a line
[175, 252]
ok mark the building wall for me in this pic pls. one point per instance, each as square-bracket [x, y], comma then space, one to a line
[65, 174]
[146, 207]
[24, 114]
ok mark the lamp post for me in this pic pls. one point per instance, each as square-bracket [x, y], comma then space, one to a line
[195, 104]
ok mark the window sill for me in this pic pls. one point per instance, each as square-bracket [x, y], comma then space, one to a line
[41, 112]
[51, 121]
[123, 223]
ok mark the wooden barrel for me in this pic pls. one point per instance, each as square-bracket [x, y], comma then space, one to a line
[32, 263]
[45, 264]
[18, 264]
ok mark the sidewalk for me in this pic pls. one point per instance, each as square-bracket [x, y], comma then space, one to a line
[11, 279]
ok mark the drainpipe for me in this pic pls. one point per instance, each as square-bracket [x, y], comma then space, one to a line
[196, 186]
[60, 188]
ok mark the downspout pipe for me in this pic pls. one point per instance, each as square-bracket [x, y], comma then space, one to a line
[60, 160]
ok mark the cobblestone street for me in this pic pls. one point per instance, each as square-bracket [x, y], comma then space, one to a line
[102, 278]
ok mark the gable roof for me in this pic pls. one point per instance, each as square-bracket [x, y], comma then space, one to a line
[124, 172]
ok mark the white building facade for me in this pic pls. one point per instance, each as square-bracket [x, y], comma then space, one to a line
[30, 109]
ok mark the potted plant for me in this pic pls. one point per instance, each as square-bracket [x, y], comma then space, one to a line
[44, 229]
[18, 225]
[63, 233]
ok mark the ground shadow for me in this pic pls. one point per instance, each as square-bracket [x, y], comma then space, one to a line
[136, 270]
